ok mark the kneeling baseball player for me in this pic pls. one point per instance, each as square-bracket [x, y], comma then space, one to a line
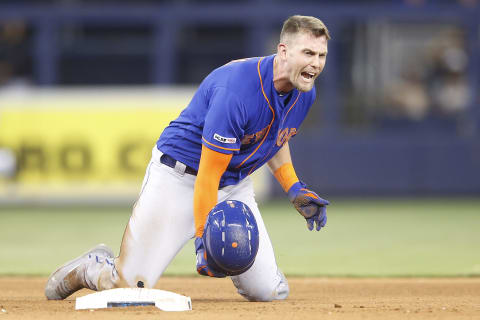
[241, 117]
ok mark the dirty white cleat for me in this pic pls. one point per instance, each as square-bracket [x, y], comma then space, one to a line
[71, 277]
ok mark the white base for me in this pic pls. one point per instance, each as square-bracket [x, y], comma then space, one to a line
[123, 297]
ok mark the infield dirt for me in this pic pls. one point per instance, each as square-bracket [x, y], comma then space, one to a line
[310, 298]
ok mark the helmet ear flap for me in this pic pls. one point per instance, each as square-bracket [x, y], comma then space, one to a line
[231, 237]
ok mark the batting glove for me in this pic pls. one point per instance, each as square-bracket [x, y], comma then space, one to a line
[203, 267]
[309, 205]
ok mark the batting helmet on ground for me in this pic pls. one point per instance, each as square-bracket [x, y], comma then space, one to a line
[231, 237]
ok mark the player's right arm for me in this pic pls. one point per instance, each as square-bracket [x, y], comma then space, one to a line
[221, 138]
[212, 166]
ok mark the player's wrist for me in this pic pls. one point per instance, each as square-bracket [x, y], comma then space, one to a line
[286, 176]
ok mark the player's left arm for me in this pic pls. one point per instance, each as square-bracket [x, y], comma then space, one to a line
[308, 203]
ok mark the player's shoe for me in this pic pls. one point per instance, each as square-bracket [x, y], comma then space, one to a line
[71, 277]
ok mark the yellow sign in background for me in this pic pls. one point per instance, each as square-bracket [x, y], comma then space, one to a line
[83, 141]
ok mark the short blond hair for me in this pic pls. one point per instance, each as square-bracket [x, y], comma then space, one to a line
[297, 23]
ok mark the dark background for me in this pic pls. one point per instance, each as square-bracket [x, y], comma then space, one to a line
[397, 110]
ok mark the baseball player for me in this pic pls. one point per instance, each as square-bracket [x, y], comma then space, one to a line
[241, 117]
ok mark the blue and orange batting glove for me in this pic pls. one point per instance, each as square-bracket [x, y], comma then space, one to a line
[203, 267]
[309, 205]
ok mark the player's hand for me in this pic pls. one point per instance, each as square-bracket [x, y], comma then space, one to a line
[309, 205]
[203, 267]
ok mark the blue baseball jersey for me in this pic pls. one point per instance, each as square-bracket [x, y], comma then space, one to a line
[236, 110]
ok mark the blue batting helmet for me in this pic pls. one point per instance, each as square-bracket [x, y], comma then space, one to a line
[231, 237]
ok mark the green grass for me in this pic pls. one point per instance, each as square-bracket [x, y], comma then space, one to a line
[400, 237]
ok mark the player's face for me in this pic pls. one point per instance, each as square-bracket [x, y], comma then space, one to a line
[306, 57]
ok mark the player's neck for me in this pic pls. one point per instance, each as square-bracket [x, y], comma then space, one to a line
[280, 77]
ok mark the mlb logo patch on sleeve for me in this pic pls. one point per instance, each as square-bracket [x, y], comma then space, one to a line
[218, 137]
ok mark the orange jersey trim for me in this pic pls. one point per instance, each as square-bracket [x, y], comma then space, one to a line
[292, 105]
[253, 168]
[209, 143]
[271, 122]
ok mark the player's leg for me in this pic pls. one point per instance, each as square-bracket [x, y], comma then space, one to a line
[264, 281]
[160, 225]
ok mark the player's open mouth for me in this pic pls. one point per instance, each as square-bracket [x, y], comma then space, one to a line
[308, 75]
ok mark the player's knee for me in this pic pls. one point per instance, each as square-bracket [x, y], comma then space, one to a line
[266, 293]
[269, 294]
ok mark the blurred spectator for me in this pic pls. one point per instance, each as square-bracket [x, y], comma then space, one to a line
[447, 67]
[434, 83]
[14, 60]
[408, 97]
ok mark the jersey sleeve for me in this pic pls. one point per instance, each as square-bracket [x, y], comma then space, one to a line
[225, 122]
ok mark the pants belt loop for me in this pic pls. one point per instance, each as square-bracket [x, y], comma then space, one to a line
[180, 168]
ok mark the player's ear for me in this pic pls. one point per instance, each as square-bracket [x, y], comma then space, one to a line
[282, 51]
